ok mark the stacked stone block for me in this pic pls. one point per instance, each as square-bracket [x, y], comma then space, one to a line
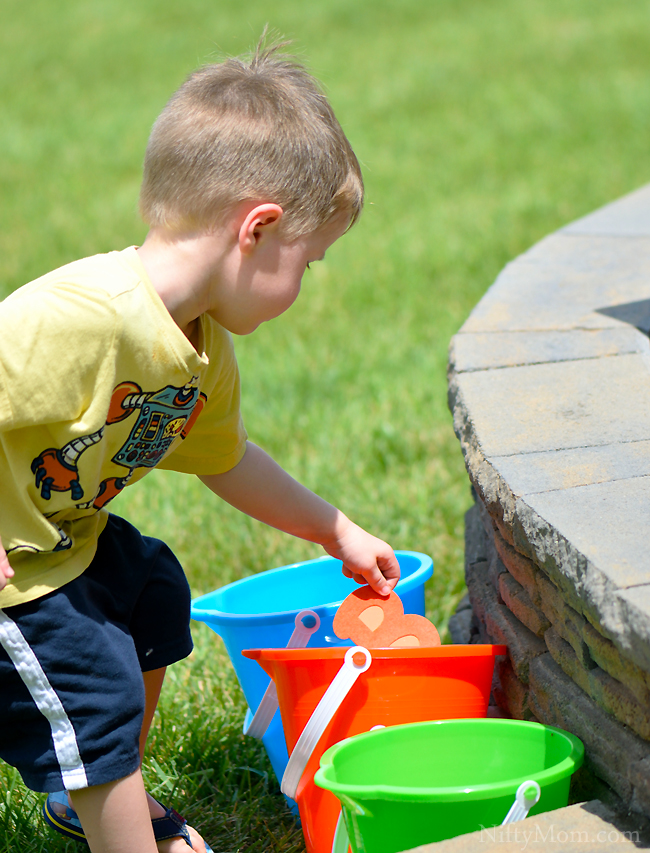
[560, 669]
[549, 386]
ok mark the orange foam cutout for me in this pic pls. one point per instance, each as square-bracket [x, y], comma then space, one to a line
[379, 622]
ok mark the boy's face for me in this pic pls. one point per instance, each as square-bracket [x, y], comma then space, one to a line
[263, 284]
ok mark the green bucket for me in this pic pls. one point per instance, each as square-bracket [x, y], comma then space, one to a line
[408, 785]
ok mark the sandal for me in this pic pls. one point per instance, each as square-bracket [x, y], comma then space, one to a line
[62, 818]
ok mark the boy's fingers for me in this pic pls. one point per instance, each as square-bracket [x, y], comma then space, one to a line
[6, 571]
[373, 577]
[382, 576]
[390, 568]
[5, 568]
[355, 576]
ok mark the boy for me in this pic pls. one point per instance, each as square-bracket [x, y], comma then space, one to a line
[123, 362]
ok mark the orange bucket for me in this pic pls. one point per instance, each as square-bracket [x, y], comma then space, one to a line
[397, 686]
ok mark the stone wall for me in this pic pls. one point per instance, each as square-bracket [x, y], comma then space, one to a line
[549, 386]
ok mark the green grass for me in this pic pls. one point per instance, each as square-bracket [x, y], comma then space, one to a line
[482, 125]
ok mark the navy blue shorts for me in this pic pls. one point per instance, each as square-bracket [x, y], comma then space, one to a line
[71, 662]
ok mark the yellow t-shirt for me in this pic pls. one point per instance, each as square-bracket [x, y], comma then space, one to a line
[98, 385]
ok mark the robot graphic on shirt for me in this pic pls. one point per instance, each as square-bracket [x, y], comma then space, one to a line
[162, 416]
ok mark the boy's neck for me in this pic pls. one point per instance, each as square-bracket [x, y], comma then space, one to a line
[181, 269]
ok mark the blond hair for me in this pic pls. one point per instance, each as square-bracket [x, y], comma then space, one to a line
[249, 129]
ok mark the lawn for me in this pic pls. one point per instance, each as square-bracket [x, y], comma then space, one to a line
[481, 125]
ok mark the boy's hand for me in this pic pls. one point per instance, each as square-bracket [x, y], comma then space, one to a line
[365, 558]
[6, 571]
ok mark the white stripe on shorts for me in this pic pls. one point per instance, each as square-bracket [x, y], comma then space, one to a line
[48, 703]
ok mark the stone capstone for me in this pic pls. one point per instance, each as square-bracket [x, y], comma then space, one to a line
[549, 387]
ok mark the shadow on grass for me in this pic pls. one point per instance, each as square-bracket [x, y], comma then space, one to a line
[199, 761]
[222, 783]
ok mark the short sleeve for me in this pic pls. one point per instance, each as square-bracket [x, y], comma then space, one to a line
[216, 441]
[56, 345]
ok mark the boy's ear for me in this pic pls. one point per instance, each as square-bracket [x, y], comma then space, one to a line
[262, 219]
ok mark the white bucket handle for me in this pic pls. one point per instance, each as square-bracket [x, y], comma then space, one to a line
[341, 843]
[261, 720]
[528, 794]
[321, 718]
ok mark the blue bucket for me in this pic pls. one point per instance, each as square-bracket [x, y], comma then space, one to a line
[259, 612]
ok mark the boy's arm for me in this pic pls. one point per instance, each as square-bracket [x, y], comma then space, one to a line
[262, 489]
[6, 571]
